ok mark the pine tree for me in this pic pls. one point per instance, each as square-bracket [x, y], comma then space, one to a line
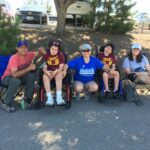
[9, 31]
[114, 16]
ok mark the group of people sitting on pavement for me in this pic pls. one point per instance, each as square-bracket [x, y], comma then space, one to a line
[21, 71]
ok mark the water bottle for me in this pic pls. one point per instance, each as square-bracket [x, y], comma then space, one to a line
[22, 104]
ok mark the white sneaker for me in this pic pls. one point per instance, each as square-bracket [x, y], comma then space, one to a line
[60, 101]
[50, 101]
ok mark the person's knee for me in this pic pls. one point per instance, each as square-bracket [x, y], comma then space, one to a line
[117, 73]
[105, 75]
[93, 87]
[15, 82]
[79, 88]
[31, 75]
[58, 77]
[45, 78]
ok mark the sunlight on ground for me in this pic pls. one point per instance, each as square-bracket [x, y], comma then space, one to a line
[85, 37]
[36, 125]
[46, 138]
[75, 54]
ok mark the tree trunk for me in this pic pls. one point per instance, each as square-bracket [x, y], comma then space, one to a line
[61, 7]
[61, 19]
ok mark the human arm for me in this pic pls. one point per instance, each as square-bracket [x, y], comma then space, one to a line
[41, 51]
[19, 73]
[126, 66]
[46, 72]
[65, 69]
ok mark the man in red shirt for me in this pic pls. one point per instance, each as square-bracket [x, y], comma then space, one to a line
[20, 71]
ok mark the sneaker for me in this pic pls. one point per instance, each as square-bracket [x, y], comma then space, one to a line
[116, 94]
[50, 101]
[106, 94]
[60, 101]
[8, 108]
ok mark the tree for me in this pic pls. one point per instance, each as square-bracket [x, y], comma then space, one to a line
[113, 18]
[89, 19]
[9, 34]
[61, 8]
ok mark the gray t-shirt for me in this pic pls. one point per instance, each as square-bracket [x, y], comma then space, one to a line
[132, 65]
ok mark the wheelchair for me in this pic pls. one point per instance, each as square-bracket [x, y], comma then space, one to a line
[66, 84]
[101, 96]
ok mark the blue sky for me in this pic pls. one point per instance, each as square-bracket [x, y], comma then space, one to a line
[141, 6]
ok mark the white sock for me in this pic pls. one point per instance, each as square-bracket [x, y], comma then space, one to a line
[58, 93]
[49, 95]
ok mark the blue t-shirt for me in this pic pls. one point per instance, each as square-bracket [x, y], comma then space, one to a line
[132, 65]
[85, 71]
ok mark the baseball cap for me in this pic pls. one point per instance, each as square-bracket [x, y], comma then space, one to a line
[85, 47]
[21, 43]
[136, 45]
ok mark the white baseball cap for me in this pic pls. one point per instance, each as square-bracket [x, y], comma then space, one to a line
[85, 47]
[136, 45]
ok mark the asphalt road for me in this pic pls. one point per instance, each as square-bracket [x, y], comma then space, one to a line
[88, 125]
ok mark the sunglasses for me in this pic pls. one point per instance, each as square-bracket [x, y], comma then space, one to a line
[56, 43]
[86, 50]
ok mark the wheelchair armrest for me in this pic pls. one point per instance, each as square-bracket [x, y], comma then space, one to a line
[69, 76]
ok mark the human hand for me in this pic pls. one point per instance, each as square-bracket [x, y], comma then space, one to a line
[31, 67]
[42, 51]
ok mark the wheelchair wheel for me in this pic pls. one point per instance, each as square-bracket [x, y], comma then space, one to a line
[69, 94]
[124, 95]
[100, 97]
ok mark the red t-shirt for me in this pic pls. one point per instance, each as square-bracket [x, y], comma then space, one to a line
[19, 62]
[107, 60]
[53, 61]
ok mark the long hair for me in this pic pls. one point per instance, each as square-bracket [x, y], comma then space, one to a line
[138, 58]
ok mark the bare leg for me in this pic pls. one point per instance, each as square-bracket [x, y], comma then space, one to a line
[143, 76]
[46, 81]
[78, 86]
[105, 79]
[116, 80]
[58, 80]
[92, 86]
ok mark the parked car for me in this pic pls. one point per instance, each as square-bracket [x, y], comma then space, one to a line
[142, 18]
[52, 20]
[81, 7]
[32, 14]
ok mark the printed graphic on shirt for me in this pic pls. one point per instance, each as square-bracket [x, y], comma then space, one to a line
[53, 61]
[107, 61]
[86, 72]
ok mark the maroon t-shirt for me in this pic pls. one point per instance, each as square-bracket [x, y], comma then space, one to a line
[107, 60]
[53, 61]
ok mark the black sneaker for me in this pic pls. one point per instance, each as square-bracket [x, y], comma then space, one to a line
[107, 94]
[116, 94]
[8, 108]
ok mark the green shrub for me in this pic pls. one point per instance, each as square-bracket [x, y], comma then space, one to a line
[9, 34]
